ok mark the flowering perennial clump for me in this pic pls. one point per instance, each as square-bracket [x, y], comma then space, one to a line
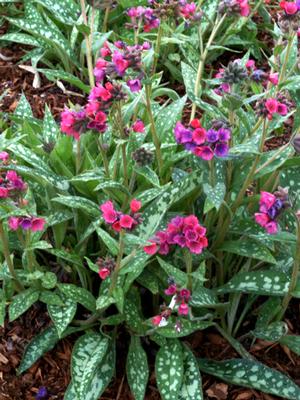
[268, 108]
[119, 220]
[203, 143]
[185, 232]
[270, 208]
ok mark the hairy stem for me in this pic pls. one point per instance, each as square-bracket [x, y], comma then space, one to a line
[8, 258]
[115, 273]
[88, 39]
[103, 155]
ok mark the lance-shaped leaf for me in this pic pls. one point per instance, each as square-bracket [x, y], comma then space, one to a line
[252, 374]
[40, 344]
[261, 282]
[249, 248]
[62, 315]
[104, 374]
[78, 295]
[214, 195]
[272, 333]
[137, 369]
[169, 370]
[181, 327]
[79, 203]
[54, 75]
[50, 128]
[21, 302]
[88, 352]
[191, 388]
[179, 276]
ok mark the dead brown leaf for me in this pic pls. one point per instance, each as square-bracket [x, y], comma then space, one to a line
[218, 391]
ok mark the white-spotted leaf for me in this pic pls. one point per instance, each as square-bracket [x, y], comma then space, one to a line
[191, 388]
[137, 369]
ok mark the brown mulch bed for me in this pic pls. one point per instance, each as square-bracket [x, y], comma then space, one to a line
[53, 369]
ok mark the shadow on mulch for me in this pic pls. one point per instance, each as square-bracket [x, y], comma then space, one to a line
[53, 369]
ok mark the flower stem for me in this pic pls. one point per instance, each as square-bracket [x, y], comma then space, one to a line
[286, 59]
[202, 62]
[115, 273]
[155, 138]
[105, 21]
[157, 48]
[8, 259]
[189, 268]
[88, 39]
[78, 156]
[295, 272]
[103, 155]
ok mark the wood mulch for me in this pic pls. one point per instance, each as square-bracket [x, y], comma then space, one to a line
[52, 371]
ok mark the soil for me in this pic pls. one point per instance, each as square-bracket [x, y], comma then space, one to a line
[52, 371]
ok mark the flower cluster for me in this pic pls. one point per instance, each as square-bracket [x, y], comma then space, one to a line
[185, 232]
[290, 7]
[179, 303]
[268, 108]
[234, 7]
[119, 220]
[106, 266]
[201, 142]
[34, 224]
[270, 207]
[11, 184]
[120, 61]
[144, 16]
[235, 72]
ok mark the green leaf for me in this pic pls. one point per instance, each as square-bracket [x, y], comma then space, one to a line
[50, 298]
[40, 344]
[272, 333]
[186, 328]
[250, 249]
[137, 369]
[50, 128]
[88, 352]
[167, 118]
[292, 342]
[103, 375]
[111, 243]
[79, 203]
[65, 11]
[22, 302]
[118, 295]
[23, 108]
[191, 388]
[22, 38]
[203, 297]
[62, 315]
[93, 267]
[148, 174]
[78, 295]
[104, 301]
[179, 276]
[261, 282]
[54, 75]
[214, 196]
[49, 280]
[169, 370]
[112, 185]
[2, 308]
[252, 374]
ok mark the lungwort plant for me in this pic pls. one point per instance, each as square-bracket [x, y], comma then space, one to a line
[151, 216]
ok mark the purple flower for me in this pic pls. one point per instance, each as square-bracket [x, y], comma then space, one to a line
[221, 149]
[182, 134]
[224, 134]
[212, 136]
[42, 393]
[134, 85]
[25, 223]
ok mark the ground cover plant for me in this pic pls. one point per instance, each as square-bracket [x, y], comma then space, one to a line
[156, 208]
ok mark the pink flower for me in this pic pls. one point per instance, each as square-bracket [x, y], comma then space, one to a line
[104, 273]
[171, 290]
[120, 63]
[138, 126]
[109, 213]
[250, 64]
[204, 152]
[272, 227]
[134, 85]
[183, 309]
[282, 109]
[289, 7]
[271, 106]
[185, 294]
[199, 135]
[267, 199]
[4, 192]
[151, 249]
[126, 221]
[195, 123]
[156, 320]
[262, 219]
[135, 205]
[99, 91]
[4, 156]
[273, 78]
[37, 224]
[13, 223]
[116, 226]
[244, 8]
[12, 176]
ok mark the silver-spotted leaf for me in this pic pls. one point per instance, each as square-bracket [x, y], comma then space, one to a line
[137, 369]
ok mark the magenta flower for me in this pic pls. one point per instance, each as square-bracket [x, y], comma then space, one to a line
[134, 85]
[183, 309]
[270, 208]
[117, 219]
[4, 156]
[72, 122]
[138, 126]
[289, 7]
